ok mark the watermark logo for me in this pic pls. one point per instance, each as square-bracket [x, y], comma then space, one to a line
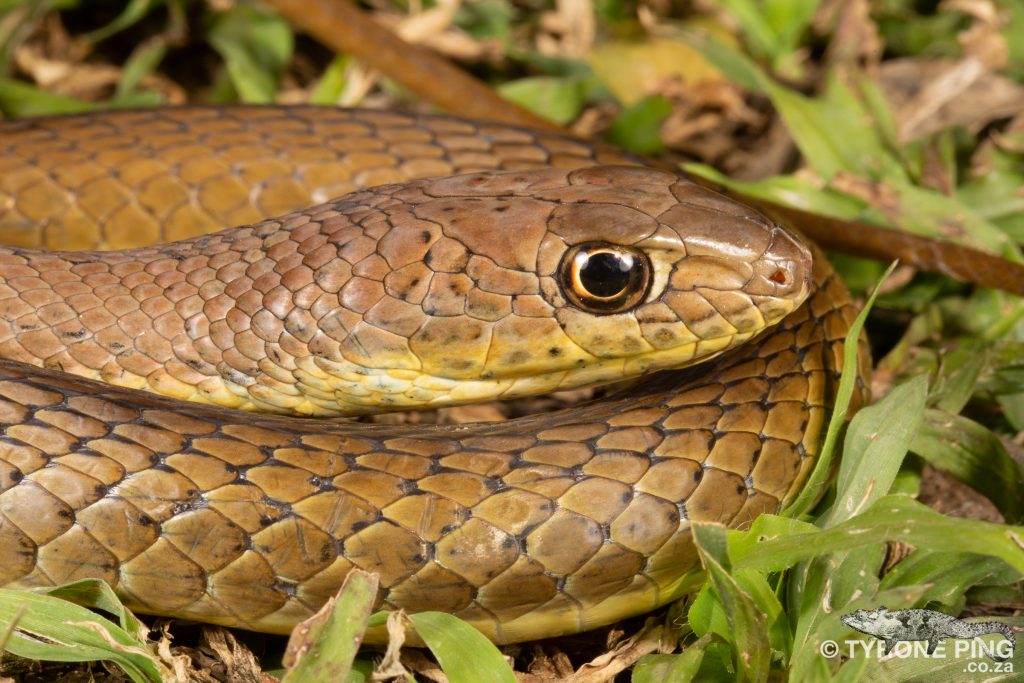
[920, 633]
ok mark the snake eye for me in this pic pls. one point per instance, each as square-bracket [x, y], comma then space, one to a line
[605, 278]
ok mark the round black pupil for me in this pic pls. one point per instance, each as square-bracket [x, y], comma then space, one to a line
[605, 274]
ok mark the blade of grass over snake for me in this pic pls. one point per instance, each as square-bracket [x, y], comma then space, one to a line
[822, 472]
[9, 630]
[97, 594]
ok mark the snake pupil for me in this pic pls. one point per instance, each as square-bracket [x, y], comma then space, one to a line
[603, 278]
[606, 274]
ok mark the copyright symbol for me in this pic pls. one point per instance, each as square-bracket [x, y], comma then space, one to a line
[829, 649]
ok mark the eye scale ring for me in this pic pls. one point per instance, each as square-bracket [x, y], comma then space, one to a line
[602, 278]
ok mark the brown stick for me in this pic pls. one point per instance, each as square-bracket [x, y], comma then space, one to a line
[885, 244]
[343, 27]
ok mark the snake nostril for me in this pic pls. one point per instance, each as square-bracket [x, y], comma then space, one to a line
[779, 277]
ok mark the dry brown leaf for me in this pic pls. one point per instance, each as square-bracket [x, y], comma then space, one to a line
[218, 657]
[982, 39]
[391, 665]
[569, 31]
[418, 663]
[548, 667]
[237, 661]
[435, 29]
[595, 119]
[623, 655]
[928, 95]
[896, 552]
[178, 662]
[943, 493]
[855, 37]
[420, 26]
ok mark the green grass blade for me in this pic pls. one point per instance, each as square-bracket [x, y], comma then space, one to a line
[51, 629]
[975, 456]
[19, 99]
[876, 443]
[557, 99]
[891, 518]
[325, 646]
[255, 46]
[143, 62]
[959, 372]
[680, 668]
[748, 625]
[97, 594]
[464, 654]
[332, 82]
[133, 13]
[822, 472]
[637, 128]
[947, 576]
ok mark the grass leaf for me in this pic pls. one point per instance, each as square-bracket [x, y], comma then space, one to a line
[748, 625]
[324, 646]
[464, 654]
[44, 627]
[876, 443]
[975, 456]
[680, 668]
[555, 98]
[18, 99]
[891, 518]
[255, 46]
[822, 472]
[637, 128]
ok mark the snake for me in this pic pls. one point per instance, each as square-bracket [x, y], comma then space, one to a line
[174, 390]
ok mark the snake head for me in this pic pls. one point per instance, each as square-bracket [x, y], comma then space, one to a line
[428, 293]
[555, 279]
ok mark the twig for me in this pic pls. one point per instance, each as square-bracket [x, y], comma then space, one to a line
[343, 27]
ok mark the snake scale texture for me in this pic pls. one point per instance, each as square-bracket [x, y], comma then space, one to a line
[427, 293]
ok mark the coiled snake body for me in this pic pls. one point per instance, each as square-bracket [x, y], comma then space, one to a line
[430, 293]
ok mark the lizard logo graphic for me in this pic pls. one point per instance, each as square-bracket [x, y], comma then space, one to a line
[921, 624]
